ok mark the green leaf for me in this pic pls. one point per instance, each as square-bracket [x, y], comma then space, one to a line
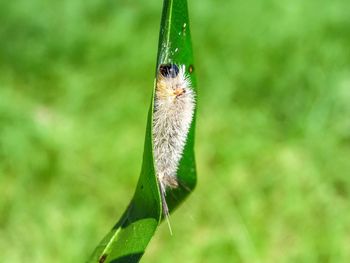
[128, 239]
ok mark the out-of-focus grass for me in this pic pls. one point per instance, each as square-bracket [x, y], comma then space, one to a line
[273, 133]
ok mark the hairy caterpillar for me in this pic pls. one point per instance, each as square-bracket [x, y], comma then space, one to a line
[173, 112]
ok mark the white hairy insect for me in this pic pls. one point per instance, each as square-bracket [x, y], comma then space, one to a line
[173, 114]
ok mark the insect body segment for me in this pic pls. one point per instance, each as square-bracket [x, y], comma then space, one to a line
[169, 70]
[173, 113]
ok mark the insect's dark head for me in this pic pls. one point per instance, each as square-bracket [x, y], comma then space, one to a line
[169, 70]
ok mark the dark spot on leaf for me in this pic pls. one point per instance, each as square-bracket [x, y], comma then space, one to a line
[190, 69]
[141, 186]
[169, 70]
[102, 258]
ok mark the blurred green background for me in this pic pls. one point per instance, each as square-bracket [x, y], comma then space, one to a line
[272, 139]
